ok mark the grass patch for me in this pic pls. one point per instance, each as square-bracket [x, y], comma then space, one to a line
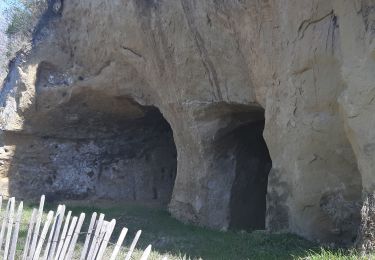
[178, 241]
[336, 254]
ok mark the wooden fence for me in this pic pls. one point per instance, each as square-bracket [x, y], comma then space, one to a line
[55, 237]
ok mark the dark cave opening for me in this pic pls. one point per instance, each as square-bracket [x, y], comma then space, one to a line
[248, 194]
[140, 161]
[95, 147]
[241, 146]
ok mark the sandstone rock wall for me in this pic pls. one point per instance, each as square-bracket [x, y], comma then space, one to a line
[304, 69]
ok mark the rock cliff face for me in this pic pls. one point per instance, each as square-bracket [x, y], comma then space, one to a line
[242, 114]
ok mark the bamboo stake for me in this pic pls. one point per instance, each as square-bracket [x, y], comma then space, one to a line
[146, 253]
[13, 247]
[63, 236]
[132, 246]
[29, 234]
[119, 243]
[101, 238]
[43, 236]
[88, 236]
[68, 238]
[1, 202]
[96, 237]
[57, 233]
[37, 228]
[75, 237]
[107, 236]
[3, 225]
[10, 227]
[51, 233]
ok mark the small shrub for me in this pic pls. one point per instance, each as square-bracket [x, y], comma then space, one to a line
[21, 16]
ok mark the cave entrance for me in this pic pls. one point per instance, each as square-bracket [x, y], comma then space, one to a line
[98, 147]
[139, 161]
[248, 194]
[241, 146]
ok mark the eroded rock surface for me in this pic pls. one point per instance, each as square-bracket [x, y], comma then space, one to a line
[218, 72]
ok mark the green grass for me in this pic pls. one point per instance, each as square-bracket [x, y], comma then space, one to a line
[338, 254]
[176, 240]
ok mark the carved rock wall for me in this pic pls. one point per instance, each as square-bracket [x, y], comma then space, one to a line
[303, 70]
